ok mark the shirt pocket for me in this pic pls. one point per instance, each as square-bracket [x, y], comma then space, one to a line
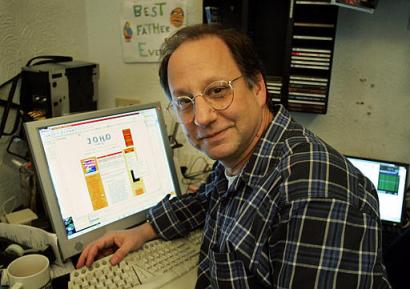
[226, 271]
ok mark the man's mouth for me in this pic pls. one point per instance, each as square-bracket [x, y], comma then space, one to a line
[212, 135]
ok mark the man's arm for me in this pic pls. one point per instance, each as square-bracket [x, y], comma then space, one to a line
[171, 218]
[330, 231]
[176, 217]
[328, 244]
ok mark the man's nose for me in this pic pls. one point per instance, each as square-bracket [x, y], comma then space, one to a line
[204, 114]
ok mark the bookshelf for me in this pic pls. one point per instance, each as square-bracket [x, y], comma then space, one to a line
[295, 40]
[266, 26]
[311, 53]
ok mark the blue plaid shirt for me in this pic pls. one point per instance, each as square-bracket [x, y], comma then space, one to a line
[298, 216]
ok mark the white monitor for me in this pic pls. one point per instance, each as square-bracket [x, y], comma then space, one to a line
[101, 170]
[390, 180]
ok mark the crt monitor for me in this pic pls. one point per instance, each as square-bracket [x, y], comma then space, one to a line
[390, 180]
[101, 170]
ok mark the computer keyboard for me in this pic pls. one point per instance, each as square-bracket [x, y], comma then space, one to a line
[156, 264]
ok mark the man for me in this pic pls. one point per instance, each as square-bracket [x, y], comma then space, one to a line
[281, 209]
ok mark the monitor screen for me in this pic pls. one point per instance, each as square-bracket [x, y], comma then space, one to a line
[390, 180]
[101, 170]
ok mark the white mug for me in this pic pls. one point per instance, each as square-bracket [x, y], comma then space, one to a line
[29, 272]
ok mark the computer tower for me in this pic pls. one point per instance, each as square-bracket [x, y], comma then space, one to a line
[55, 89]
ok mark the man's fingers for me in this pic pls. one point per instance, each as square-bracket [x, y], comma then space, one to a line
[98, 248]
[90, 252]
[120, 253]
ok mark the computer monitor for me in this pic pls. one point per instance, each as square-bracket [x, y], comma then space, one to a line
[390, 180]
[101, 170]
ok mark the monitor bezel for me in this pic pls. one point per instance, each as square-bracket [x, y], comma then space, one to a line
[407, 166]
[72, 247]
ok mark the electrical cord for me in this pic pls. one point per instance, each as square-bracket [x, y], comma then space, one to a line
[3, 207]
[195, 176]
[195, 161]
[7, 106]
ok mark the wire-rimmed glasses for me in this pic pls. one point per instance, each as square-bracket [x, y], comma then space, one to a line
[219, 95]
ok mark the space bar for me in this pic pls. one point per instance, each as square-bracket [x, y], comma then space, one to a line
[158, 281]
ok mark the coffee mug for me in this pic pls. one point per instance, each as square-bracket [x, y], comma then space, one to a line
[29, 272]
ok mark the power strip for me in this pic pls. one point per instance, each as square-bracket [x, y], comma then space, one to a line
[23, 217]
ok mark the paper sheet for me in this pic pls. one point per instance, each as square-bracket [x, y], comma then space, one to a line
[31, 237]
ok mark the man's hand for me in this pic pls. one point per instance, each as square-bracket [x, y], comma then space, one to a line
[118, 243]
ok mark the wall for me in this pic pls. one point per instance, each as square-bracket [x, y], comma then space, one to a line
[119, 79]
[30, 28]
[128, 80]
[369, 100]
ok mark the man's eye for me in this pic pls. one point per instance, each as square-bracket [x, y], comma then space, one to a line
[183, 102]
[217, 91]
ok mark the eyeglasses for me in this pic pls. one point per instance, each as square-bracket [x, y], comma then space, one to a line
[219, 95]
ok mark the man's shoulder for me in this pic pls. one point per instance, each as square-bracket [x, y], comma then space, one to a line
[284, 130]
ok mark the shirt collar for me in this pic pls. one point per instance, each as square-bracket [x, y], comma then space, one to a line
[265, 155]
[265, 151]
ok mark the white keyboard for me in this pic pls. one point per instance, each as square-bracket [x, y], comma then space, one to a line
[156, 264]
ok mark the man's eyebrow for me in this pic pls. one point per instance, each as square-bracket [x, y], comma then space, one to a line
[181, 92]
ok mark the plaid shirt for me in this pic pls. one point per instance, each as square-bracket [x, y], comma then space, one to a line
[298, 216]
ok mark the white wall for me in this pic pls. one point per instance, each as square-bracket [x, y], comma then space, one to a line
[87, 30]
[128, 80]
[30, 28]
[369, 96]
[119, 79]
[369, 102]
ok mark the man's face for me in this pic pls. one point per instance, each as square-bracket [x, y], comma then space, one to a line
[222, 135]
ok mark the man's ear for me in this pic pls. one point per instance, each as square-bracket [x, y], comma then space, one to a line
[260, 90]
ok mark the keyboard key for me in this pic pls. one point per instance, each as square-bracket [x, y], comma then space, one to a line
[156, 264]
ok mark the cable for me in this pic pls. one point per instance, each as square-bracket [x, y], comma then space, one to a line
[43, 59]
[197, 175]
[49, 59]
[194, 163]
[9, 81]
[3, 207]
[7, 109]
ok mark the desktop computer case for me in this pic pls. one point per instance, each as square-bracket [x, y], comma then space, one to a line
[55, 89]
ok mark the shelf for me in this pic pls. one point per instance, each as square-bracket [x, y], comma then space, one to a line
[315, 2]
[274, 88]
[312, 42]
[364, 6]
[295, 41]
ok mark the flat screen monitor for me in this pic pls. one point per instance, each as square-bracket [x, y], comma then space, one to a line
[390, 180]
[101, 170]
